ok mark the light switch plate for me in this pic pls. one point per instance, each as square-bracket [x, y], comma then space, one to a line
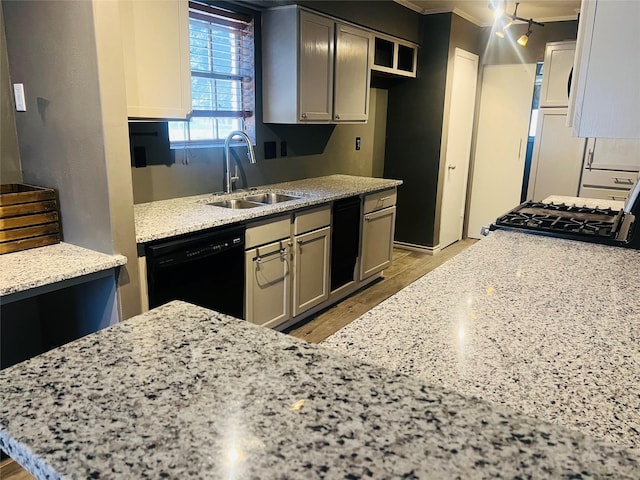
[18, 93]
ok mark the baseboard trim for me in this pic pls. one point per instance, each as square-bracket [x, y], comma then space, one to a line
[418, 248]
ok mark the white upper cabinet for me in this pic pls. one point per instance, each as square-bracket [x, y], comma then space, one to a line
[605, 95]
[155, 38]
[314, 68]
[558, 62]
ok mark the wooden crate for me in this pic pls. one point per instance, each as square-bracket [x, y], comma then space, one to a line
[28, 217]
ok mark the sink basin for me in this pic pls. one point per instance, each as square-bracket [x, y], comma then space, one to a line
[270, 198]
[237, 203]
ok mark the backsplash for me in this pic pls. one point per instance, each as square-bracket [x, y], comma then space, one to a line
[327, 150]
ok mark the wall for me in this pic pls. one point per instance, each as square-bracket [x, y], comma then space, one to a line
[505, 51]
[10, 170]
[416, 114]
[73, 136]
[414, 131]
[52, 51]
[199, 171]
[382, 15]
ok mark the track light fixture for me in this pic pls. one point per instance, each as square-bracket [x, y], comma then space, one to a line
[522, 41]
[498, 7]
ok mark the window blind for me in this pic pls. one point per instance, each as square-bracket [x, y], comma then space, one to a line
[222, 75]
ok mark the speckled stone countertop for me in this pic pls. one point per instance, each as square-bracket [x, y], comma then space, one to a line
[183, 392]
[546, 326]
[585, 202]
[168, 218]
[27, 269]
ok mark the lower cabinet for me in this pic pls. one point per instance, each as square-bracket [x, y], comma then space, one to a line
[268, 286]
[287, 266]
[377, 241]
[311, 269]
[288, 258]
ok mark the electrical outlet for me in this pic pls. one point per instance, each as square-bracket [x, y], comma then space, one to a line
[357, 143]
[269, 150]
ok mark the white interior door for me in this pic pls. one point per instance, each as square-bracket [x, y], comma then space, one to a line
[458, 147]
[501, 142]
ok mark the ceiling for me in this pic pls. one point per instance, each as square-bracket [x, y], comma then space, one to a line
[478, 12]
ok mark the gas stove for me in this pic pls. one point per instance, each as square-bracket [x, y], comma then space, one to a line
[598, 225]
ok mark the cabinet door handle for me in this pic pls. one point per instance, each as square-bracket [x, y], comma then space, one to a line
[270, 256]
[520, 149]
[589, 159]
[304, 115]
[623, 181]
[337, 117]
[451, 167]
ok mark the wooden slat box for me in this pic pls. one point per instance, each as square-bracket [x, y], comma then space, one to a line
[28, 217]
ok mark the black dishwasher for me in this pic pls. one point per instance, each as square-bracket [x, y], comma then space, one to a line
[205, 269]
[345, 238]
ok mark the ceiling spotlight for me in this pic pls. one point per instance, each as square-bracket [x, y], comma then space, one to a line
[522, 41]
[502, 25]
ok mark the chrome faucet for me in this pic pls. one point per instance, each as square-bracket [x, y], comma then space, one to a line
[228, 179]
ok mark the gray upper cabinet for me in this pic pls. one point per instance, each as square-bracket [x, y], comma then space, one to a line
[315, 68]
[352, 74]
[315, 72]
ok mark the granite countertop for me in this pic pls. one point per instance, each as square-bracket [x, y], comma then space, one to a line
[41, 266]
[184, 392]
[585, 202]
[168, 218]
[546, 326]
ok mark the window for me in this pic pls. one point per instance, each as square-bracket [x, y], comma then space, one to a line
[222, 77]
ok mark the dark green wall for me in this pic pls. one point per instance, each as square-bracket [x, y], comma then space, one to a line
[382, 15]
[414, 128]
[415, 115]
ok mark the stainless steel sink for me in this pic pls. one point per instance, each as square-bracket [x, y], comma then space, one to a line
[236, 203]
[270, 198]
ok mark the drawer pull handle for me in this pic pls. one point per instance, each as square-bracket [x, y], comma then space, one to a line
[624, 181]
[384, 199]
[616, 197]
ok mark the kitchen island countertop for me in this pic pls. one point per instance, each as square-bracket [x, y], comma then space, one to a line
[183, 392]
[547, 326]
[168, 218]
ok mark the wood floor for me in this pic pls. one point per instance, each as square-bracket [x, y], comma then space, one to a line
[407, 267]
[10, 470]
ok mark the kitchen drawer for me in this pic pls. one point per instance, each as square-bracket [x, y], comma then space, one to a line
[378, 200]
[308, 220]
[267, 231]
[609, 179]
[604, 193]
